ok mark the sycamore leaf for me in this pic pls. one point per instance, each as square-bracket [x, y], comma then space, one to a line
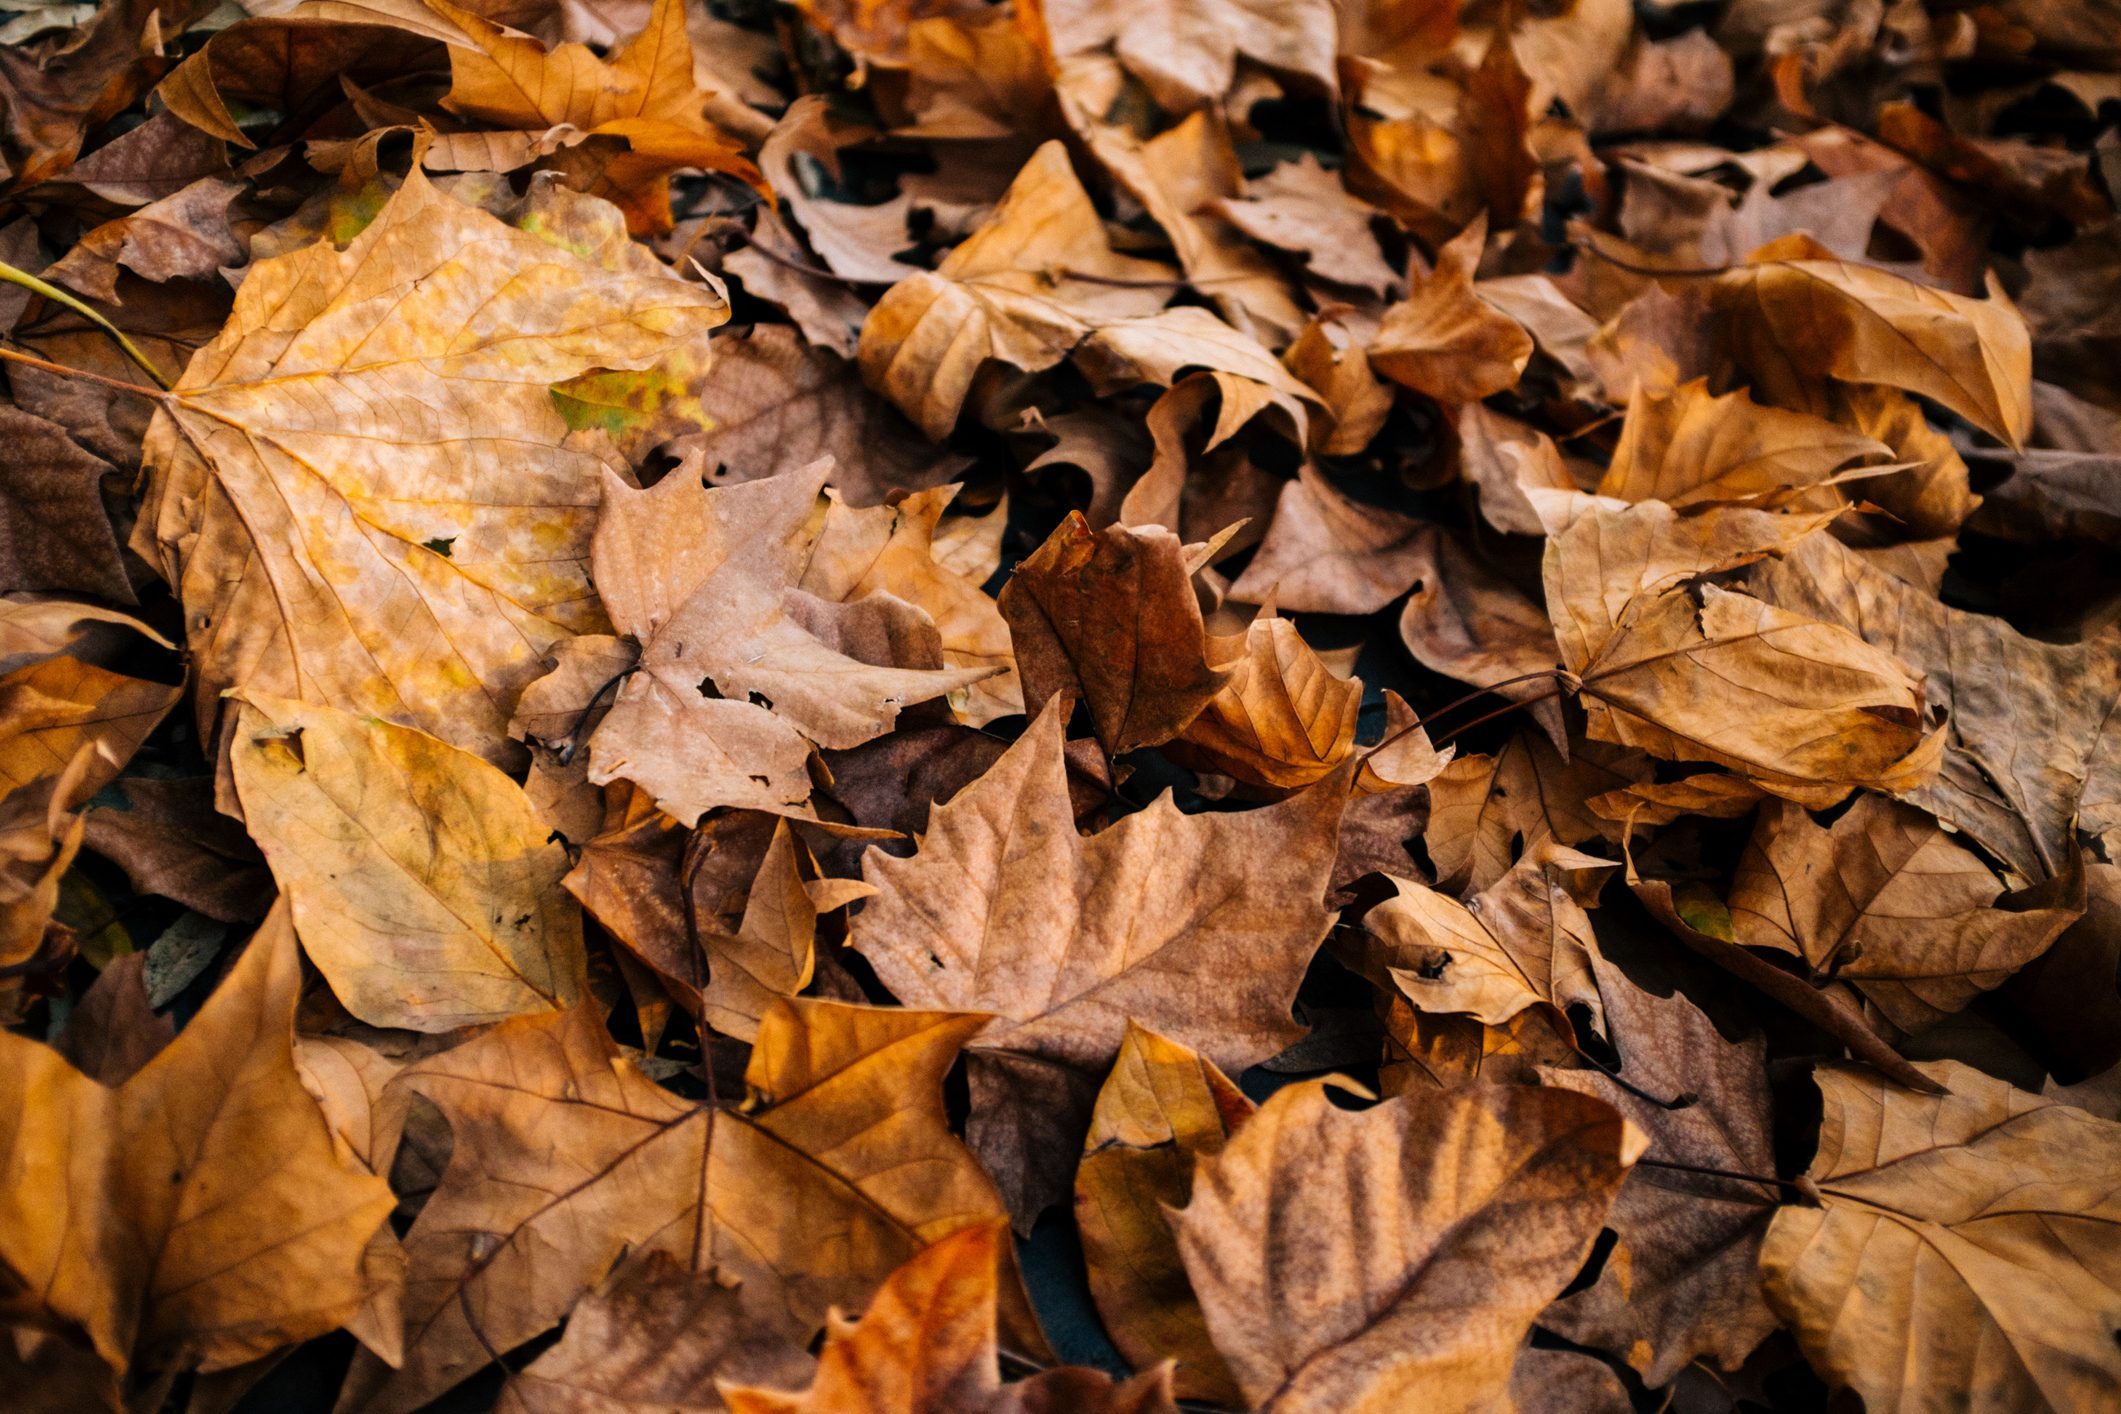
[1162, 1108]
[365, 406]
[1328, 554]
[1698, 673]
[770, 954]
[1109, 618]
[706, 579]
[1335, 367]
[1281, 719]
[926, 1345]
[899, 550]
[1302, 207]
[195, 1216]
[421, 881]
[1004, 295]
[54, 533]
[1960, 1242]
[1682, 1282]
[567, 1155]
[1067, 938]
[1524, 941]
[1443, 339]
[1485, 810]
[1359, 1263]
[1885, 900]
[1787, 321]
[644, 95]
[1467, 622]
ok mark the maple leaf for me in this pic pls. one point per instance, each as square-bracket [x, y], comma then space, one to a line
[1352, 1261]
[1162, 1108]
[925, 1345]
[1186, 51]
[1282, 719]
[1691, 446]
[1961, 1241]
[566, 1155]
[1443, 339]
[420, 880]
[1067, 938]
[1484, 809]
[195, 1216]
[318, 459]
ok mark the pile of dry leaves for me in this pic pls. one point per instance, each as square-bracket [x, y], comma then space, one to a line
[918, 706]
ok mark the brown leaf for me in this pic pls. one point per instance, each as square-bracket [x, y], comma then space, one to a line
[1005, 295]
[1163, 1108]
[1467, 622]
[1328, 554]
[1185, 52]
[2029, 744]
[1443, 339]
[655, 1333]
[778, 405]
[1281, 720]
[1303, 208]
[1787, 321]
[1349, 1262]
[1524, 941]
[184, 236]
[926, 1345]
[1485, 810]
[52, 709]
[1337, 369]
[1682, 1283]
[566, 1155]
[1691, 446]
[113, 1031]
[421, 882]
[55, 535]
[195, 1216]
[1004, 908]
[311, 567]
[1109, 618]
[1962, 1241]
[169, 840]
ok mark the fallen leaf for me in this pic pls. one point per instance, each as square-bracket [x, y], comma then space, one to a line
[566, 1155]
[1108, 618]
[1303, 208]
[1485, 810]
[926, 1345]
[54, 708]
[1434, 1228]
[196, 1216]
[55, 536]
[1281, 720]
[1328, 554]
[1443, 339]
[420, 881]
[1691, 446]
[313, 569]
[1163, 1108]
[1787, 321]
[1958, 1242]
[1067, 938]
[1007, 294]
[1186, 51]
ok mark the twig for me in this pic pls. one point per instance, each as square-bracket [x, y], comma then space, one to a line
[1502, 711]
[58, 296]
[574, 734]
[1548, 674]
[17, 356]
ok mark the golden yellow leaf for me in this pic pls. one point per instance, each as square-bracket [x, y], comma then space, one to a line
[1690, 446]
[51, 709]
[422, 883]
[363, 491]
[1281, 719]
[195, 1216]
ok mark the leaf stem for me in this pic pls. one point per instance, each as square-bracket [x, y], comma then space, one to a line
[31, 360]
[58, 296]
[1502, 711]
[1707, 1172]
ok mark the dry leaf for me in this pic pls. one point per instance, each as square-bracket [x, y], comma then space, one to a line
[195, 1216]
[1067, 938]
[1885, 900]
[1162, 1108]
[1281, 719]
[1350, 1262]
[1485, 810]
[423, 586]
[1690, 446]
[420, 880]
[1960, 1242]
[1443, 339]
